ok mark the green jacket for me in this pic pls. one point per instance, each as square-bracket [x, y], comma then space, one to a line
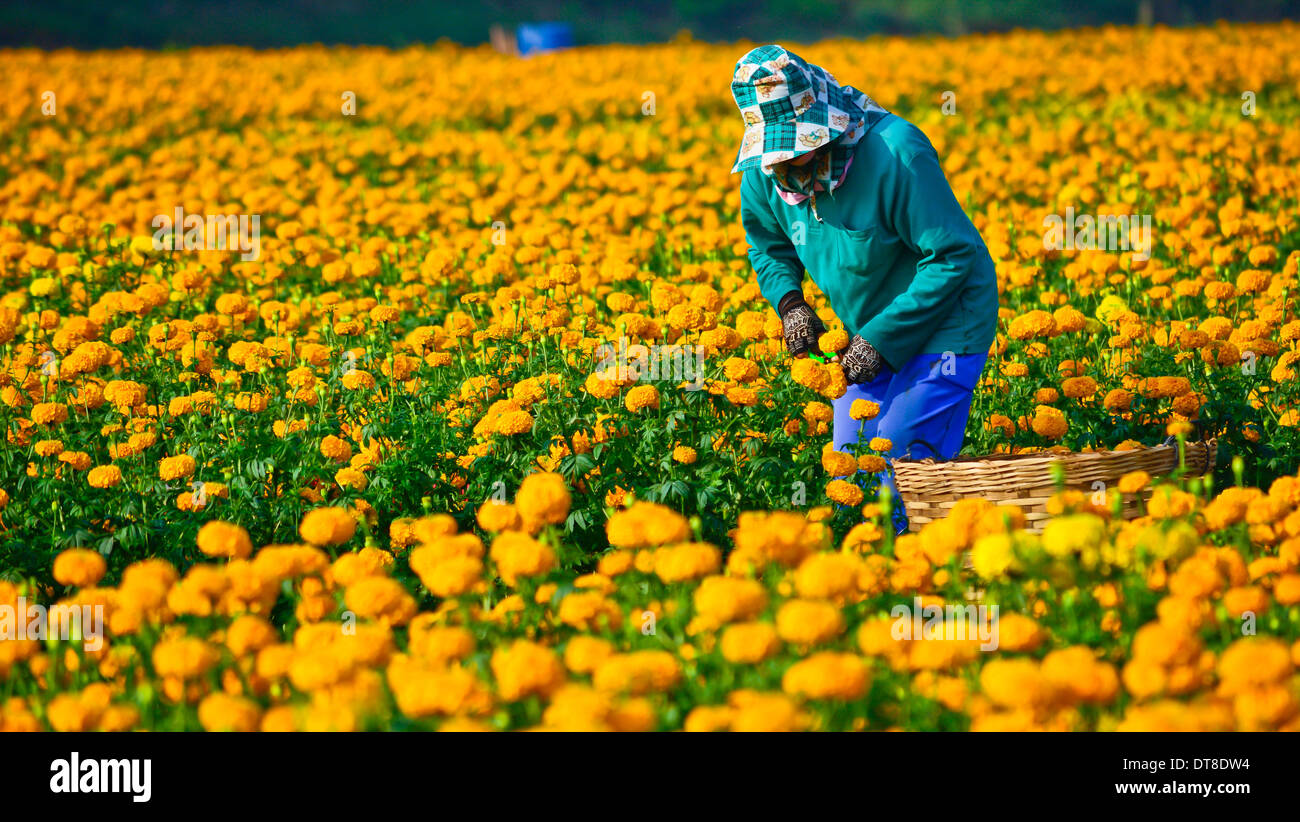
[896, 256]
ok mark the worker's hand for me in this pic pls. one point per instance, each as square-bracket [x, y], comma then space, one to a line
[801, 327]
[861, 361]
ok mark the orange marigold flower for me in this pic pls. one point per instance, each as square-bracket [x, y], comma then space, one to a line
[224, 539]
[327, 526]
[79, 567]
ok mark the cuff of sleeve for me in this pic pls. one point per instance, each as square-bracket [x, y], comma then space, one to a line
[789, 301]
[776, 289]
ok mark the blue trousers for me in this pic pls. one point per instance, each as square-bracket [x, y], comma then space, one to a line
[923, 412]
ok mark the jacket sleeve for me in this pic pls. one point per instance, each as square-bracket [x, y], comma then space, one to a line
[928, 219]
[773, 256]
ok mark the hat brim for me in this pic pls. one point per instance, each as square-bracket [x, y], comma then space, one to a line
[779, 142]
[770, 158]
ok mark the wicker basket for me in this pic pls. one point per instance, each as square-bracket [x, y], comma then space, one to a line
[930, 489]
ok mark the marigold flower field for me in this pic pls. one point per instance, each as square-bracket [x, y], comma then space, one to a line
[380, 477]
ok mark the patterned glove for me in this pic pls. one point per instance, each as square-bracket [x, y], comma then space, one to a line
[861, 361]
[801, 326]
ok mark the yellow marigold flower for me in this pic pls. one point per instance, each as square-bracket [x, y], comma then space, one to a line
[231, 304]
[1015, 369]
[118, 718]
[779, 536]
[449, 577]
[708, 718]
[1079, 387]
[1245, 599]
[864, 410]
[614, 563]
[380, 598]
[223, 712]
[68, 713]
[49, 413]
[1076, 674]
[1263, 255]
[48, 448]
[171, 468]
[354, 380]
[739, 369]
[441, 644]
[808, 622]
[872, 463]
[1168, 502]
[838, 463]
[833, 341]
[543, 499]
[828, 675]
[1073, 534]
[1133, 482]
[881, 444]
[829, 576]
[516, 555]
[1002, 423]
[525, 669]
[684, 454]
[844, 492]
[602, 385]
[641, 397]
[1110, 308]
[590, 611]
[424, 688]
[994, 556]
[1017, 632]
[749, 643]
[104, 476]
[690, 560]
[184, 658]
[224, 539]
[579, 708]
[1049, 422]
[1036, 323]
[79, 567]
[810, 373]
[726, 599]
[766, 713]
[494, 516]
[434, 527]
[1253, 662]
[512, 423]
[327, 526]
[1117, 401]
[636, 673]
[1286, 590]
[287, 562]
[1220, 291]
[862, 538]
[818, 412]
[335, 449]
[645, 524]
[619, 497]
[583, 654]
[249, 633]
[1016, 683]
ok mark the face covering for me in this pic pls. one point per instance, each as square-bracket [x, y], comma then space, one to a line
[833, 158]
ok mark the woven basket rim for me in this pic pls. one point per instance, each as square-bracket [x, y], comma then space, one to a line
[1052, 457]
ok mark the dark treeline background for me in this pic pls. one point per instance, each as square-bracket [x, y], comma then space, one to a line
[171, 23]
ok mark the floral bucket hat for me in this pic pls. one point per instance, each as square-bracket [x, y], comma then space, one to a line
[791, 107]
